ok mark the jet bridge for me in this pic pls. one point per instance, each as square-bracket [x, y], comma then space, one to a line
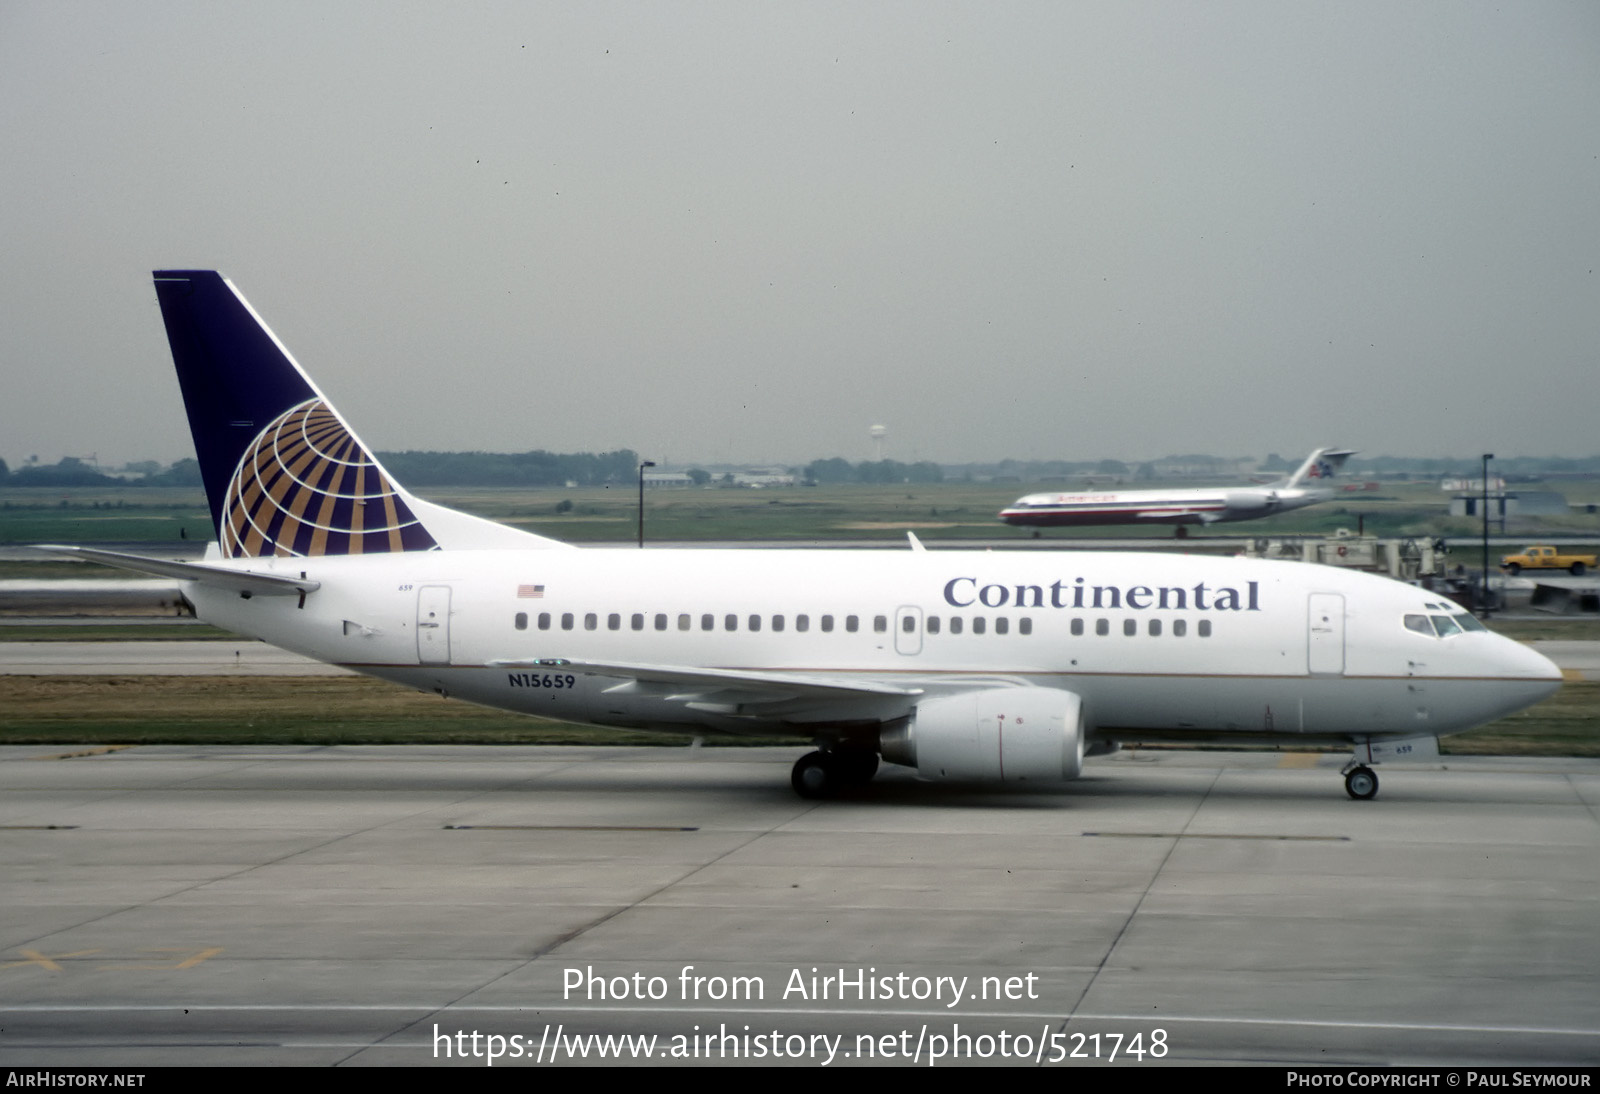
[1403, 559]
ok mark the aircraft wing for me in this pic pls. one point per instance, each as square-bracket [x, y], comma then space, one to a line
[241, 581]
[740, 691]
[1177, 515]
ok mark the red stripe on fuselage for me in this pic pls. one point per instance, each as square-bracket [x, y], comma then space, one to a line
[1133, 514]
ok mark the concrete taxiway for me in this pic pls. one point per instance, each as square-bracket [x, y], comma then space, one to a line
[383, 905]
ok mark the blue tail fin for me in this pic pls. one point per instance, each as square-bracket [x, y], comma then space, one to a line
[283, 473]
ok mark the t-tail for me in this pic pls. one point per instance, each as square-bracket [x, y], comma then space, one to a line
[284, 474]
[1320, 467]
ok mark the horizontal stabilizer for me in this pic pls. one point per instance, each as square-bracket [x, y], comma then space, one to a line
[242, 581]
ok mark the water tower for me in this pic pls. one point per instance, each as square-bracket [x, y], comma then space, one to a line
[878, 433]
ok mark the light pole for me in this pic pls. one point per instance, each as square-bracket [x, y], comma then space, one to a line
[1484, 604]
[651, 463]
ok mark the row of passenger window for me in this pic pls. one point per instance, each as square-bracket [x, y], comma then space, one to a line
[955, 624]
[978, 623]
[731, 622]
[1130, 627]
[708, 622]
[1153, 627]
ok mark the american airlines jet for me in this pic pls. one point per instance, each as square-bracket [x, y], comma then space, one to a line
[961, 665]
[1215, 505]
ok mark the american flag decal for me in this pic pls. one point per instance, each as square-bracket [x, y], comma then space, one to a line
[530, 592]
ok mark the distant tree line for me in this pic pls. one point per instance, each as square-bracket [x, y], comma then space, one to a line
[412, 468]
[833, 471]
[1513, 466]
[539, 468]
[512, 468]
[73, 472]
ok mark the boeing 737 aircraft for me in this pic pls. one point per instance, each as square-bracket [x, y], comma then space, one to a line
[1202, 506]
[961, 665]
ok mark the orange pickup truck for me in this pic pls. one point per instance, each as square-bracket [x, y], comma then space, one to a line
[1545, 558]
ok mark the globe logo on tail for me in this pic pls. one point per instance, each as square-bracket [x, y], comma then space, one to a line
[307, 487]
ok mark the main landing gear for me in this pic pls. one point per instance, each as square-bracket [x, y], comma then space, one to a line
[824, 773]
[1360, 782]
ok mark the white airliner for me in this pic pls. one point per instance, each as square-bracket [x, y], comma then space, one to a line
[961, 665]
[1214, 505]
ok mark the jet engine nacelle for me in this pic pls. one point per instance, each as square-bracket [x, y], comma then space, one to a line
[1247, 500]
[999, 734]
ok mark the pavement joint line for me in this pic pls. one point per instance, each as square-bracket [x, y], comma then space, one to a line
[570, 828]
[582, 929]
[656, 1009]
[1583, 801]
[1214, 835]
[1133, 912]
[229, 875]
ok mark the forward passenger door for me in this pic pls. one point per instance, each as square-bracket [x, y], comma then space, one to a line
[1325, 634]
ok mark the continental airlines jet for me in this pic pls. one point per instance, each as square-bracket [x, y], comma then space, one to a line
[961, 665]
[1203, 506]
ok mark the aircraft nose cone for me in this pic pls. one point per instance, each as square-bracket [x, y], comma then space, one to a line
[1528, 663]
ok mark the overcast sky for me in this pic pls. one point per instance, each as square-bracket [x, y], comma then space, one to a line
[751, 231]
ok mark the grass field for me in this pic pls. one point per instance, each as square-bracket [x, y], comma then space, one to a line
[102, 514]
[356, 710]
[270, 710]
[1566, 724]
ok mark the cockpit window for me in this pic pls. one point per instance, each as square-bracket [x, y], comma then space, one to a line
[1444, 626]
[1420, 624]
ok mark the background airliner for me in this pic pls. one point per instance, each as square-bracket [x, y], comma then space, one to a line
[961, 665]
[1211, 505]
